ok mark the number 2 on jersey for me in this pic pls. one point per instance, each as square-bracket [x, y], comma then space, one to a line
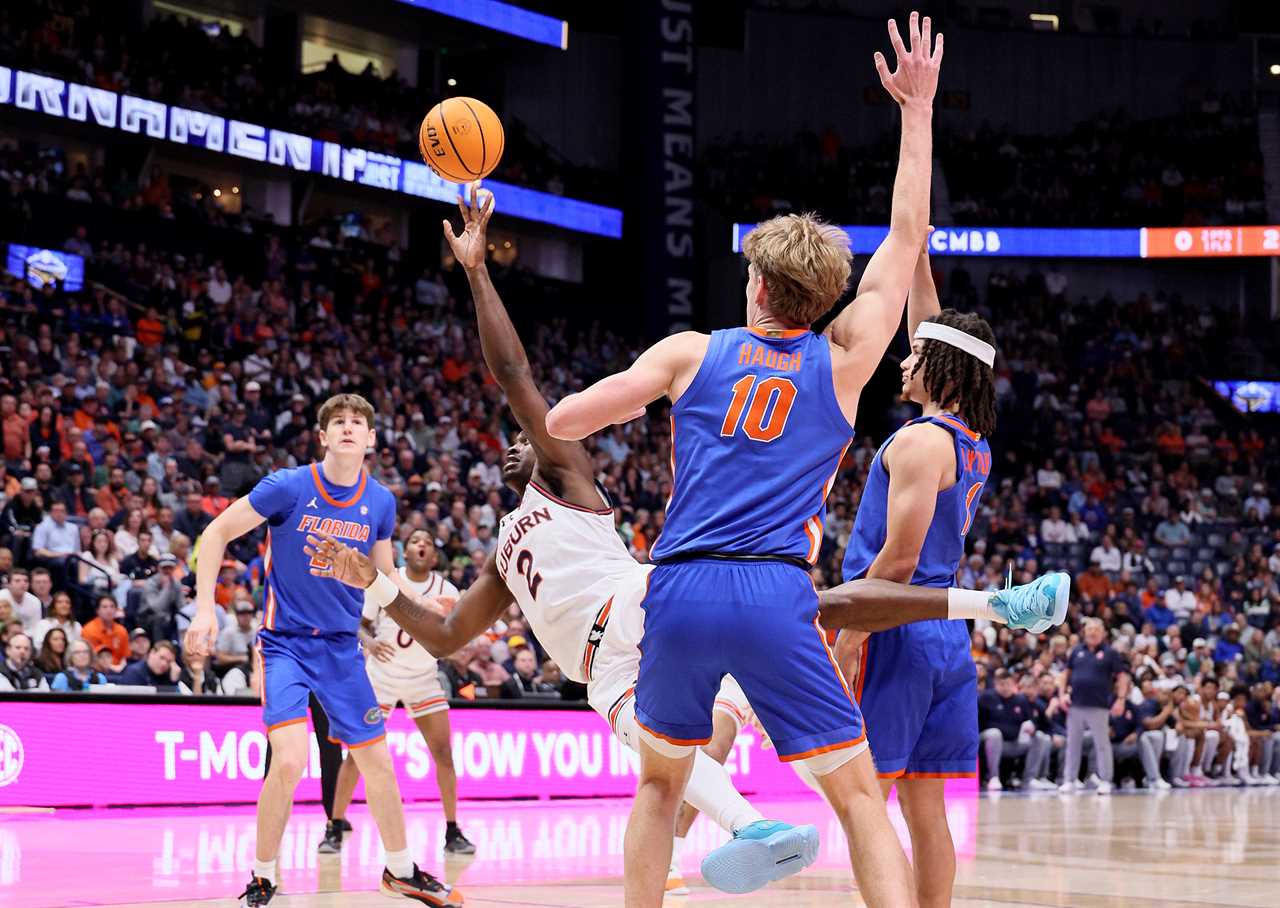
[524, 567]
[775, 390]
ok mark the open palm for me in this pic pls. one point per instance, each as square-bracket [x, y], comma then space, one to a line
[915, 80]
[470, 246]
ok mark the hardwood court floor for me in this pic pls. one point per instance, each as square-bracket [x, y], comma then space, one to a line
[1182, 849]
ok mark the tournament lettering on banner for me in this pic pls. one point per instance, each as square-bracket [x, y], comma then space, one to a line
[659, 151]
[207, 753]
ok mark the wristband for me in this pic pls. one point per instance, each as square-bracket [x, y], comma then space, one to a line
[975, 604]
[382, 591]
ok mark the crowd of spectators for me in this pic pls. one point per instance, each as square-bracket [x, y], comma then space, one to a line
[181, 61]
[1201, 167]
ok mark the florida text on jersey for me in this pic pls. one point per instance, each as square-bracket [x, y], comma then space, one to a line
[301, 501]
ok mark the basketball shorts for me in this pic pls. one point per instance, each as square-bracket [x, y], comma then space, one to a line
[331, 667]
[704, 619]
[611, 690]
[918, 689]
[420, 693]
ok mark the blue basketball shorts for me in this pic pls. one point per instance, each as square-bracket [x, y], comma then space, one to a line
[756, 620]
[332, 667]
[918, 689]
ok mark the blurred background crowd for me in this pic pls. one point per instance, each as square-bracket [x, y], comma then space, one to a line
[134, 411]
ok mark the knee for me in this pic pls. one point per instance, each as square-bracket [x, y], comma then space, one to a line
[442, 754]
[289, 765]
[663, 788]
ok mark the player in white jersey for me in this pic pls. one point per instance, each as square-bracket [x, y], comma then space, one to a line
[402, 672]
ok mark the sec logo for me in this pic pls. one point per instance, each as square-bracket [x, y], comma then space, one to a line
[10, 756]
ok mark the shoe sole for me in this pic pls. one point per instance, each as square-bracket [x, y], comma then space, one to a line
[745, 865]
[1061, 601]
[678, 890]
[327, 849]
[424, 898]
[460, 852]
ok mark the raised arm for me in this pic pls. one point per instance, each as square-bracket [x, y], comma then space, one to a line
[504, 353]
[666, 368]
[922, 301]
[481, 605]
[863, 330]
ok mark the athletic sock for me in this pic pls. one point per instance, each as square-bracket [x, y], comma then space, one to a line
[451, 829]
[711, 790]
[400, 864]
[677, 853]
[265, 870]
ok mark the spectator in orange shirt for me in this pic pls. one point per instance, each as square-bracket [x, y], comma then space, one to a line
[111, 496]
[1095, 584]
[17, 431]
[214, 502]
[104, 632]
[228, 586]
[150, 329]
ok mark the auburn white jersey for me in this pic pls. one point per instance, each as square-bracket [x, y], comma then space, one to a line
[566, 567]
[411, 659]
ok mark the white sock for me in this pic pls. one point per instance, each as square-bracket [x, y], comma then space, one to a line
[711, 790]
[400, 864]
[677, 853]
[265, 870]
[973, 604]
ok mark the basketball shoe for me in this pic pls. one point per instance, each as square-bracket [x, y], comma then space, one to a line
[1035, 606]
[759, 854]
[258, 892]
[456, 843]
[420, 887]
[332, 841]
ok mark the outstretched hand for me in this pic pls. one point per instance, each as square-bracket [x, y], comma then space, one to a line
[915, 81]
[334, 559]
[470, 247]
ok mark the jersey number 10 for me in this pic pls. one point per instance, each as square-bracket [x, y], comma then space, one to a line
[779, 392]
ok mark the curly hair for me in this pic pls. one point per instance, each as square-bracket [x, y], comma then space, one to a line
[959, 381]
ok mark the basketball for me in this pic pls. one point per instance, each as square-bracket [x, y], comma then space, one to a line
[461, 139]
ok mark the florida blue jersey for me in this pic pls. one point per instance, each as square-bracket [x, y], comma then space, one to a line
[944, 543]
[757, 439]
[301, 501]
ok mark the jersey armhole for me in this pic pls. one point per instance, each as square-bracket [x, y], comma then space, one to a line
[699, 377]
[840, 420]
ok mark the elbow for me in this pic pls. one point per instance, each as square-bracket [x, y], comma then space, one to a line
[438, 652]
[559, 424]
[898, 570]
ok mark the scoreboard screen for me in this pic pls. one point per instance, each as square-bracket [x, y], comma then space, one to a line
[1205, 242]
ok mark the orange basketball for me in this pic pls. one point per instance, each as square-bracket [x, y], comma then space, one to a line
[461, 139]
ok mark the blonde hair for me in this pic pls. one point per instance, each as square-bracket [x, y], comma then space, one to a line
[804, 262]
[340, 402]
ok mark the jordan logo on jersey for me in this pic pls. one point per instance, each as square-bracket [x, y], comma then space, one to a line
[330, 526]
[312, 503]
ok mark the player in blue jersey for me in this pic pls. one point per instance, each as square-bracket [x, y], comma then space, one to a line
[916, 684]
[308, 642]
[761, 419]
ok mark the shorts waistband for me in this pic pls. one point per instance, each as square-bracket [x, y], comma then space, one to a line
[742, 557]
[305, 634]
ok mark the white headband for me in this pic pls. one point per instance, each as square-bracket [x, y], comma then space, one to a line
[957, 338]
